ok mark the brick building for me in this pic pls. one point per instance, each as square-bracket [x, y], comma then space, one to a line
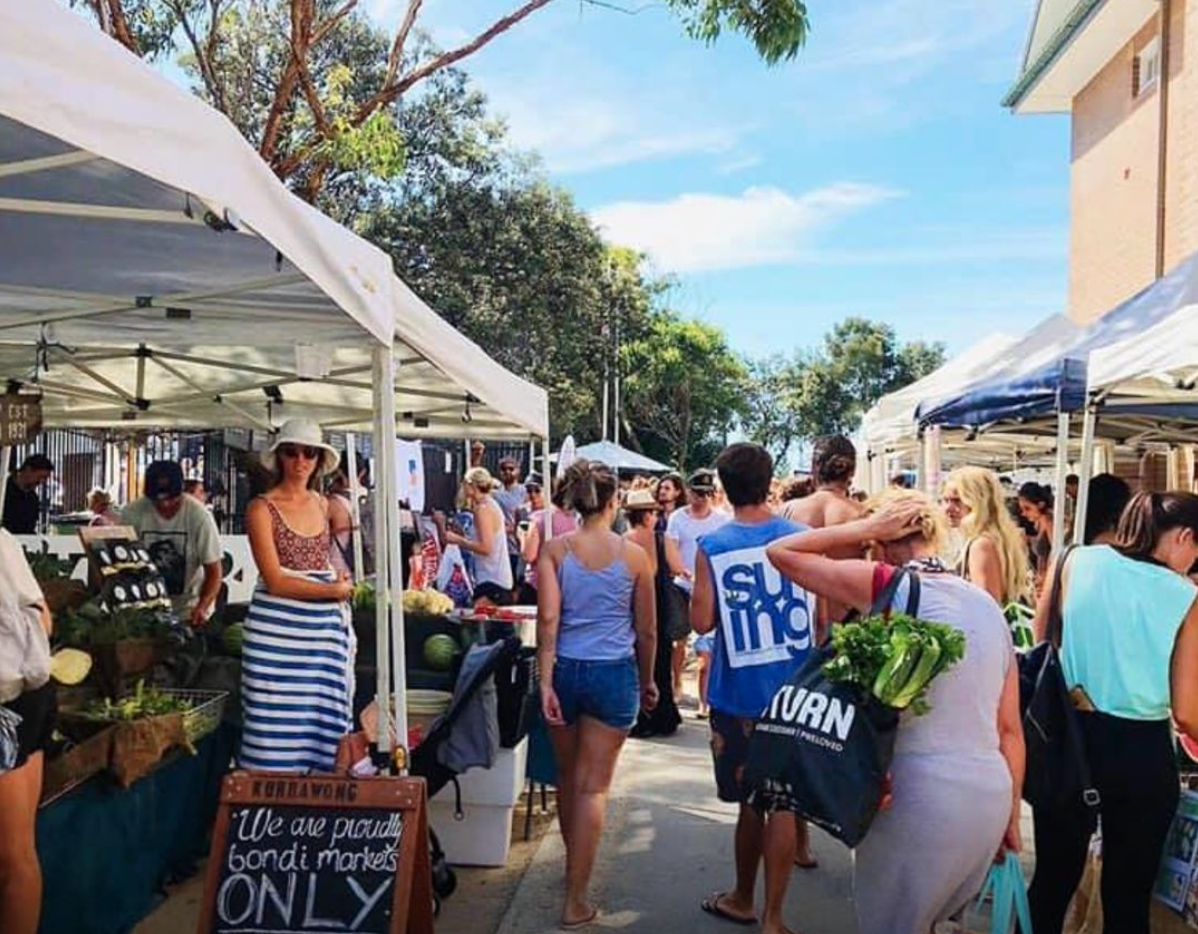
[1127, 73]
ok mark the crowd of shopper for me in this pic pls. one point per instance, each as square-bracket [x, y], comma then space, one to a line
[631, 578]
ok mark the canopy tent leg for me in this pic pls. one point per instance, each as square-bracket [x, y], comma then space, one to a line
[355, 511]
[388, 456]
[547, 489]
[1058, 514]
[1086, 472]
[381, 574]
[5, 466]
[1173, 471]
[930, 478]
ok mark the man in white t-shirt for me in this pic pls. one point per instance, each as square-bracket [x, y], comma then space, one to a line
[685, 527]
[182, 539]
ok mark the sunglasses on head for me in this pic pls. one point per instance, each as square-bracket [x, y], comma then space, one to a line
[298, 450]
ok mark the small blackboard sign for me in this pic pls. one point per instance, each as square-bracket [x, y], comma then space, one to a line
[319, 855]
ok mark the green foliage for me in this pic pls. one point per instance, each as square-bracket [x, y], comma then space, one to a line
[685, 388]
[829, 390]
[777, 28]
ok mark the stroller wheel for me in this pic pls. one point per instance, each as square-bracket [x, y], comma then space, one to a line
[445, 882]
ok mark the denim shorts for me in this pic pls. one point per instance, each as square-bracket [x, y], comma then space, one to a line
[607, 691]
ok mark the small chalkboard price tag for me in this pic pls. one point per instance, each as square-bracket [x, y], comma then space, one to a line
[319, 855]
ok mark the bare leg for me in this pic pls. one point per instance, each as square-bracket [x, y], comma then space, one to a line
[598, 748]
[704, 676]
[678, 662]
[20, 872]
[779, 858]
[804, 855]
[750, 829]
[565, 748]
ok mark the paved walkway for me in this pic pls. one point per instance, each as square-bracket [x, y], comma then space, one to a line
[668, 843]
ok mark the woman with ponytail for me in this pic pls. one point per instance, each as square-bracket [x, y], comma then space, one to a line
[995, 555]
[596, 641]
[1129, 654]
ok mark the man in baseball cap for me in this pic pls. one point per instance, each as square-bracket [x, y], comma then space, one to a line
[182, 539]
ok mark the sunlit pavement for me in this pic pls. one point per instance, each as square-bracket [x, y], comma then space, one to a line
[668, 843]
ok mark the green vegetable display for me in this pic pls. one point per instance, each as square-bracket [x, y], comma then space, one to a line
[143, 702]
[363, 598]
[895, 660]
[48, 567]
[90, 625]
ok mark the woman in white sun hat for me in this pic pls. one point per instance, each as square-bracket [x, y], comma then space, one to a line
[297, 655]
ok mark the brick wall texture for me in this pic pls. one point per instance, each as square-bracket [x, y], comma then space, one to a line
[1113, 197]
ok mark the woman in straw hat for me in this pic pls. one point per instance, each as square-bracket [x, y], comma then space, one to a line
[297, 654]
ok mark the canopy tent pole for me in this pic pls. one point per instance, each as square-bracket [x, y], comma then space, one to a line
[1082, 505]
[355, 511]
[382, 617]
[547, 489]
[394, 555]
[1058, 513]
[5, 465]
[1173, 469]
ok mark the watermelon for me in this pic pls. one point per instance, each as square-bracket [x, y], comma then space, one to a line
[439, 651]
[232, 638]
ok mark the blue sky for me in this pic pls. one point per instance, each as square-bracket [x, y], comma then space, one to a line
[876, 174]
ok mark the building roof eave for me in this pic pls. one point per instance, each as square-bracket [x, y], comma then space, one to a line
[1033, 71]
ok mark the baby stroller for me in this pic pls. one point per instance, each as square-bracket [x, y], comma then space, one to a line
[472, 724]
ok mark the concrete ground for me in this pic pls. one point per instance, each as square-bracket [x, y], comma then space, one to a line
[668, 843]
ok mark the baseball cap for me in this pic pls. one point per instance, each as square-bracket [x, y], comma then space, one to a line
[164, 480]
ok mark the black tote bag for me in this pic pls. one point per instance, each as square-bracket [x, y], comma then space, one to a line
[823, 748]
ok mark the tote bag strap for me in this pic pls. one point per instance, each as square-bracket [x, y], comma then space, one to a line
[883, 602]
[1054, 631]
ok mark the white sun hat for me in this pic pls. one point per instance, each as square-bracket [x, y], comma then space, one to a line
[304, 433]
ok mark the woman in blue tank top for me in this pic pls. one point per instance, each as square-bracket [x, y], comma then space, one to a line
[596, 639]
[1129, 653]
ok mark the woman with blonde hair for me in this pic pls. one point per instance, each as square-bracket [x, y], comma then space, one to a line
[957, 772]
[493, 578]
[995, 554]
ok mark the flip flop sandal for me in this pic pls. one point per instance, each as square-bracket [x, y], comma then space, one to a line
[812, 863]
[711, 905]
[581, 922]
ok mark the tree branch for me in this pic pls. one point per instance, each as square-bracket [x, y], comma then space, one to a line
[116, 24]
[203, 60]
[326, 27]
[401, 38]
[285, 90]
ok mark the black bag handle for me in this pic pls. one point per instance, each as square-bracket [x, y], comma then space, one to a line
[882, 603]
[1055, 628]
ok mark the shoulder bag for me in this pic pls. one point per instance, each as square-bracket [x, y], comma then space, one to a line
[1057, 773]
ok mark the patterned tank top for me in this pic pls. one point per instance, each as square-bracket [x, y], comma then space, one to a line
[298, 552]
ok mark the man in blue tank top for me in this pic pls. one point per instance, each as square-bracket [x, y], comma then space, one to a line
[764, 627]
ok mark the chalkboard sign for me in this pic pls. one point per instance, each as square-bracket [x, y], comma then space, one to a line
[20, 418]
[319, 855]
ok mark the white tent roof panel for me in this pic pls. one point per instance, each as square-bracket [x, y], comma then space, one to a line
[107, 171]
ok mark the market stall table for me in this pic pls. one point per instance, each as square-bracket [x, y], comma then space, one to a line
[107, 853]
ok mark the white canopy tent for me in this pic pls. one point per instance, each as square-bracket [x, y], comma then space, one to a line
[154, 272]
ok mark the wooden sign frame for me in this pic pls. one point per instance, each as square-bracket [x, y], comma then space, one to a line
[412, 905]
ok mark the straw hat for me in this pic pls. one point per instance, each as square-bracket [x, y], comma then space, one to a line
[303, 433]
[640, 499]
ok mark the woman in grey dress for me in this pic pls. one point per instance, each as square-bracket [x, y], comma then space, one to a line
[957, 773]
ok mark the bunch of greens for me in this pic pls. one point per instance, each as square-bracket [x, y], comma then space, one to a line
[48, 567]
[894, 659]
[143, 702]
[363, 598]
[90, 625]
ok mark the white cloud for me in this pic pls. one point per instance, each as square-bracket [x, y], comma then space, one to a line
[576, 130]
[760, 227]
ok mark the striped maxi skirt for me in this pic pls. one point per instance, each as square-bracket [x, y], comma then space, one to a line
[296, 683]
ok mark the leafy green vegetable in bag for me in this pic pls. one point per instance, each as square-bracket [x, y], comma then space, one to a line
[896, 659]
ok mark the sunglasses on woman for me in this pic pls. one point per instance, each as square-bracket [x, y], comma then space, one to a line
[293, 451]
